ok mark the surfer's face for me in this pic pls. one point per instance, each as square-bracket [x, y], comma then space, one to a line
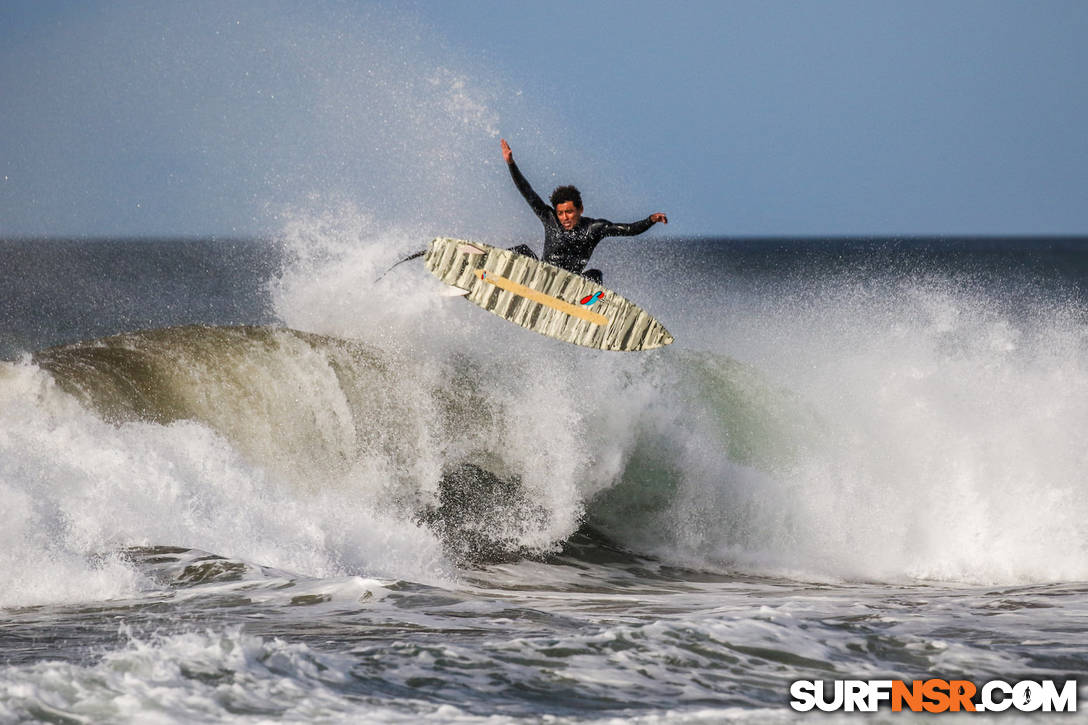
[568, 214]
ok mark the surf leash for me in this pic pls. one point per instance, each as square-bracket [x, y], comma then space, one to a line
[406, 259]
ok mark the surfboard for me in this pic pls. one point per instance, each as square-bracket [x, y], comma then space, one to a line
[542, 297]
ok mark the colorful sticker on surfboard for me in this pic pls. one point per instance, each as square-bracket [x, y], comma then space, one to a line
[589, 300]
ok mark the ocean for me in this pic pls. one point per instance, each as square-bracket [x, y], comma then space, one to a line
[241, 481]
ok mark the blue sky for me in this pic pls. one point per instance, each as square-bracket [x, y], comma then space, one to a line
[735, 118]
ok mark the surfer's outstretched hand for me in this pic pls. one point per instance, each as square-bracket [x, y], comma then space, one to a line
[507, 154]
[659, 218]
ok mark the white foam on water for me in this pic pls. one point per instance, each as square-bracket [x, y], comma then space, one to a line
[78, 490]
[207, 676]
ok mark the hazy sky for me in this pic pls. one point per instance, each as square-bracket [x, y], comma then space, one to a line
[736, 118]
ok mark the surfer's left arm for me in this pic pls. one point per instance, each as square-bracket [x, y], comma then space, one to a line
[630, 229]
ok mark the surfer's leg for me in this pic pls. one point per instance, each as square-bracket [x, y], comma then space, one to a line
[524, 250]
[595, 275]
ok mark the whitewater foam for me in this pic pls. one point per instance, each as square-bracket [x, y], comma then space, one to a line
[887, 429]
[78, 489]
[182, 678]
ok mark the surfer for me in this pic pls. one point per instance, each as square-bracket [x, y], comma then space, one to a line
[569, 237]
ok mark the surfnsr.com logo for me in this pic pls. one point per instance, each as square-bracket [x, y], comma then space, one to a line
[933, 696]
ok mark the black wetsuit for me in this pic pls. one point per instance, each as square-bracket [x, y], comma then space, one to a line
[571, 248]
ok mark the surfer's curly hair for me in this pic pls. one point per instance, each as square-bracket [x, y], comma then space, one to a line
[567, 193]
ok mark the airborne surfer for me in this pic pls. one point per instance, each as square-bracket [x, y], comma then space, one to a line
[569, 237]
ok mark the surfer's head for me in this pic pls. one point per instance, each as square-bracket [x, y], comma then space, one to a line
[567, 202]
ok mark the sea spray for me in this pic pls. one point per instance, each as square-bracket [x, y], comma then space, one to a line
[893, 423]
[939, 424]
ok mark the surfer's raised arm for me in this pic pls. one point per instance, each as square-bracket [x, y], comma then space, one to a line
[570, 237]
[541, 209]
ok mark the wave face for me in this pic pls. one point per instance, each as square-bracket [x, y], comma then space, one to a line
[150, 447]
[324, 414]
